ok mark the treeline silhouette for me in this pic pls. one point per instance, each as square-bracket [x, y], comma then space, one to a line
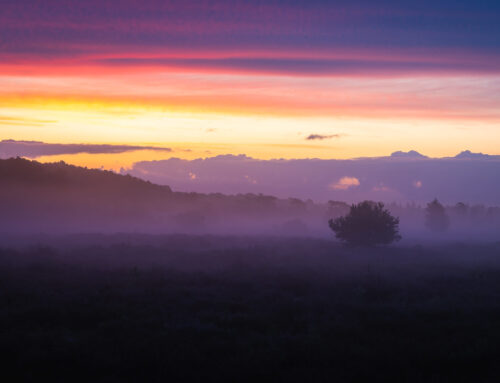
[58, 197]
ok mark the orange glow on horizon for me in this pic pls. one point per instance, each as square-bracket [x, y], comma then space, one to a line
[258, 114]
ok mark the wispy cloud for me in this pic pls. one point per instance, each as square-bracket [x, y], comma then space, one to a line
[312, 137]
[8, 120]
[34, 149]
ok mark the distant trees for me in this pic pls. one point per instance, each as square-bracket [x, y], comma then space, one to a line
[436, 218]
[461, 209]
[367, 224]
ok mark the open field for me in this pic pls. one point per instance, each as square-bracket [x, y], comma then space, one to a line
[202, 308]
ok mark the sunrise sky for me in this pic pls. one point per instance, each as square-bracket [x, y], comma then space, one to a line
[270, 79]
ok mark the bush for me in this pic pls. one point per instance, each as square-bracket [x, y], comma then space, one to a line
[367, 224]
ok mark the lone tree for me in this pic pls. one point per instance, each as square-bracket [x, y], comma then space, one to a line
[436, 218]
[367, 224]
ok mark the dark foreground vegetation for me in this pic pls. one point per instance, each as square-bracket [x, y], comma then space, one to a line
[184, 309]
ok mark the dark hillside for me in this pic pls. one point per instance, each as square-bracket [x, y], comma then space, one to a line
[22, 172]
[46, 197]
[57, 197]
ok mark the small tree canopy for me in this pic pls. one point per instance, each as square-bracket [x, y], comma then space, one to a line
[436, 218]
[367, 224]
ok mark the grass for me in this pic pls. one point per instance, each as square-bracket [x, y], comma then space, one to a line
[186, 309]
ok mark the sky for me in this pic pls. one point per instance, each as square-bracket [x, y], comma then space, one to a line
[268, 79]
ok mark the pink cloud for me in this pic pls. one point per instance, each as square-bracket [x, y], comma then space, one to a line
[345, 183]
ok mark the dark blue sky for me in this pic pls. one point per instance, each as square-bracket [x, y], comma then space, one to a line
[467, 33]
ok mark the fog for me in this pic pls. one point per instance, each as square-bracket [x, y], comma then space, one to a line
[62, 199]
[119, 279]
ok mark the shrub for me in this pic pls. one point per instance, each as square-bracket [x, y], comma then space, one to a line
[366, 224]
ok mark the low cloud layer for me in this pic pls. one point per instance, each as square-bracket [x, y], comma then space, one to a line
[403, 177]
[34, 149]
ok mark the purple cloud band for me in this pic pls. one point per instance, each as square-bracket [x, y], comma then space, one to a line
[34, 149]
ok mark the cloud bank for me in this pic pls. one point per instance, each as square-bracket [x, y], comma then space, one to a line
[402, 177]
[34, 149]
